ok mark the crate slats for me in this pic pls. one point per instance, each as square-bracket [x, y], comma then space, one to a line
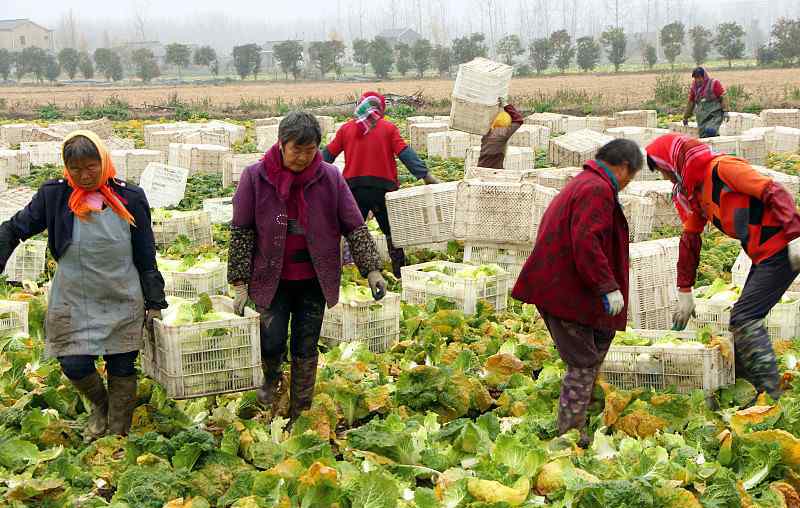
[420, 286]
[422, 215]
[376, 324]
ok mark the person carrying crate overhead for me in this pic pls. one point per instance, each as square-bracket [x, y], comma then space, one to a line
[107, 284]
[577, 274]
[745, 206]
[290, 211]
[495, 141]
[370, 144]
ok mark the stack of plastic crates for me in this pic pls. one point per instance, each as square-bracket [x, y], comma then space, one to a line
[27, 262]
[13, 317]
[236, 133]
[600, 123]
[422, 215]
[660, 193]
[413, 120]
[536, 137]
[190, 285]
[450, 144]
[130, 164]
[207, 136]
[738, 123]
[556, 178]
[509, 257]
[500, 175]
[376, 324]
[791, 182]
[428, 281]
[641, 135]
[683, 367]
[640, 212]
[117, 143]
[11, 134]
[785, 139]
[653, 278]
[266, 136]
[723, 144]
[234, 164]
[418, 134]
[14, 200]
[263, 122]
[637, 118]
[781, 118]
[474, 102]
[517, 158]
[690, 130]
[220, 210]
[326, 124]
[199, 159]
[169, 225]
[753, 149]
[555, 122]
[43, 152]
[575, 148]
[15, 163]
[208, 358]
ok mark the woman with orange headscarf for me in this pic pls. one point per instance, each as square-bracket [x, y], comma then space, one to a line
[107, 286]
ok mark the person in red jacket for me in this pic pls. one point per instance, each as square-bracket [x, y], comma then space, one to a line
[494, 142]
[577, 274]
[370, 144]
[748, 207]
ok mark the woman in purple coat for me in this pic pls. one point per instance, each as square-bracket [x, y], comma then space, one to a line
[290, 211]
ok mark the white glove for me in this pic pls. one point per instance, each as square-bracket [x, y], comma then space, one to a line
[614, 302]
[685, 310]
[239, 299]
[794, 254]
[377, 284]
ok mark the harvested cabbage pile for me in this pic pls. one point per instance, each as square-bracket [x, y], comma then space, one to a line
[185, 312]
[726, 293]
[472, 272]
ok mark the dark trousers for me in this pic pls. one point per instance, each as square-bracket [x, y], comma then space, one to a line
[583, 349]
[373, 199]
[301, 303]
[79, 366]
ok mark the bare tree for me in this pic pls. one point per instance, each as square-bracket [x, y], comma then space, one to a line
[68, 30]
[140, 18]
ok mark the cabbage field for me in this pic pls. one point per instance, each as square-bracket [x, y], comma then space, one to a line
[460, 413]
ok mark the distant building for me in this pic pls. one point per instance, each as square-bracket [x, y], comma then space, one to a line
[396, 35]
[18, 34]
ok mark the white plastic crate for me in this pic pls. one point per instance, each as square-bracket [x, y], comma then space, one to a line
[15, 163]
[37, 133]
[423, 214]
[553, 121]
[683, 367]
[413, 120]
[738, 123]
[741, 269]
[198, 159]
[518, 158]
[723, 144]
[266, 137]
[573, 149]
[43, 152]
[27, 262]
[326, 124]
[482, 81]
[556, 178]
[116, 143]
[791, 182]
[420, 286]
[500, 175]
[11, 134]
[236, 133]
[660, 193]
[641, 135]
[470, 117]
[263, 122]
[130, 164]
[208, 358]
[637, 118]
[653, 278]
[600, 123]
[640, 212]
[190, 285]
[234, 164]
[450, 144]
[753, 149]
[781, 118]
[376, 324]
[536, 137]
[690, 130]
[206, 136]
[418, 134]
[220, 210]
[509, 257]
[441, 118]
[168, 226]
[13, 317]
[783, 321]
[14, 200]
[380, 242]
[500, 212]
[786, 139]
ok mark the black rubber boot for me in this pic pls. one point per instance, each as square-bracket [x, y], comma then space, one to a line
[271, 367]
[121, 403]
[301, 389]
[93, 388]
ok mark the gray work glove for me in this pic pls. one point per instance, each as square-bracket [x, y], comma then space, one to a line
[150, 316]
[613, 302]
[685, 310]
[377, 284]
[239, 299]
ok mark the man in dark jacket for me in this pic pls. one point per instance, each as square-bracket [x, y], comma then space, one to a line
[493, 143]
[577, 274]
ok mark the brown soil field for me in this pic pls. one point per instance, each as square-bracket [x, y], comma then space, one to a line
[613, 91]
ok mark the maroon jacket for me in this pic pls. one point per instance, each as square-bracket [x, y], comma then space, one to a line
[332, 213]
[581, 254]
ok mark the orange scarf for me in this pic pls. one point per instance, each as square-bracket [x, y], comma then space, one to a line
[79, 201]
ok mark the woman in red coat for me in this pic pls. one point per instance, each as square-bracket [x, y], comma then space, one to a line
[577, 274]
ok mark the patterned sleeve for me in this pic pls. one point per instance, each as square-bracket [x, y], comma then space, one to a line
[364, 252]
[240, 255]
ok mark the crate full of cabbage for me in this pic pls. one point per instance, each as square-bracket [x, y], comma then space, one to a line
[464, 285]
[359, 318]
[13, 317]
[200, 347]
[193, 275]
[685, 361]
[713, 305]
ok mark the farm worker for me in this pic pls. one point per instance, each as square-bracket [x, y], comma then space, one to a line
[577, 274]
[494, 142]
[708, 102]
[370, 144]
[107, 284]
[748, 207]
[290, 212]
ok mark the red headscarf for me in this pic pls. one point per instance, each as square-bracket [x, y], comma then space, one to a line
[687, 159]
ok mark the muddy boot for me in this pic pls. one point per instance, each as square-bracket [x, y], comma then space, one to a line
[121, 403]
[754, 354]
[93, 388]
[272, 378]
[301, 388]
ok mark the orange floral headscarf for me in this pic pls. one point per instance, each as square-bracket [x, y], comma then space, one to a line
[79, 200]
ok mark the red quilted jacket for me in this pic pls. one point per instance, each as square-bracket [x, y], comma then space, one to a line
[581, 253]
